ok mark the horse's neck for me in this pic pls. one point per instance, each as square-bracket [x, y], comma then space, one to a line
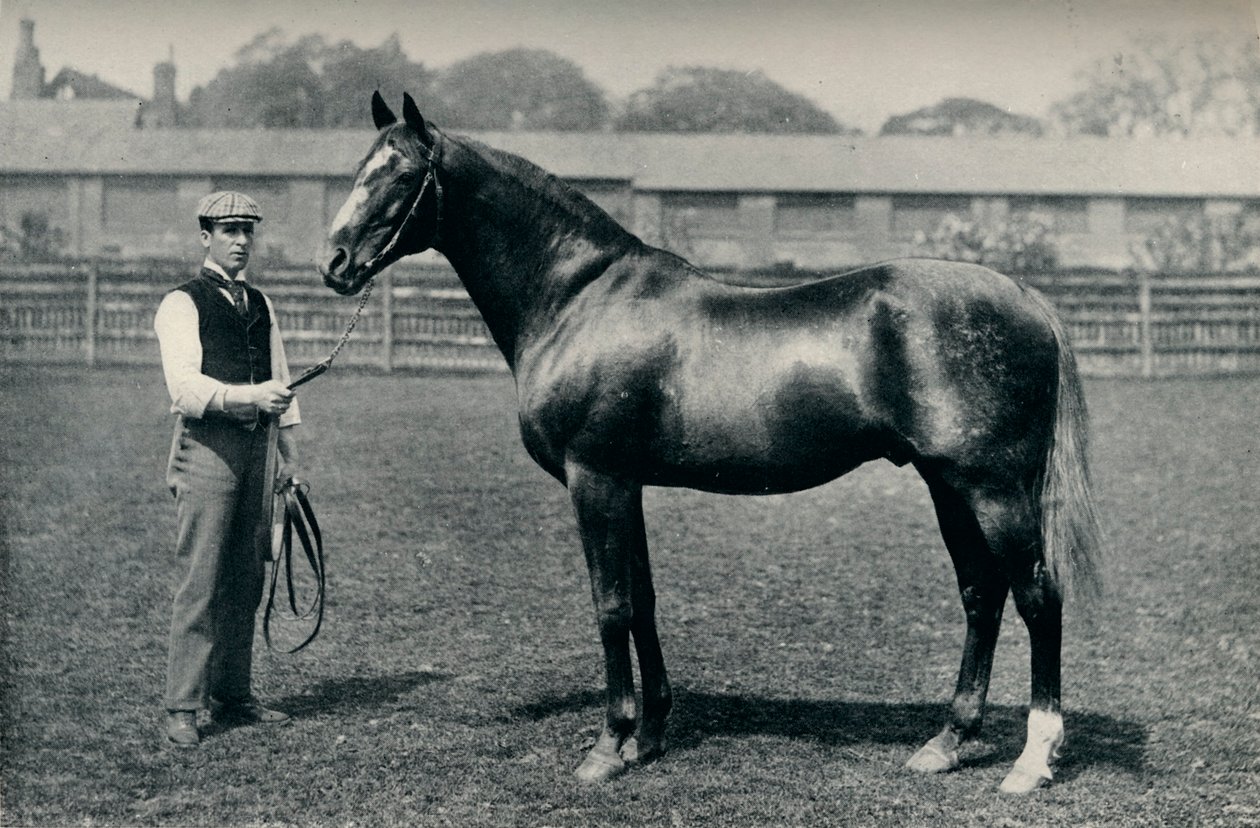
[519, 252]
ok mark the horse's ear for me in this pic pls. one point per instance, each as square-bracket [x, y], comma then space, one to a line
[413, 118]
[382, 115]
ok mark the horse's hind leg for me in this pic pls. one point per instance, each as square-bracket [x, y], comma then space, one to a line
[1041, 607]
[983, 586]
[1006, 516]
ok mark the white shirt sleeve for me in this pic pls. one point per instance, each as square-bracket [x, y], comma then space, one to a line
[280, 367]
[192, 392]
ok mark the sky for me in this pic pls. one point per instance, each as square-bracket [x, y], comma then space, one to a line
[860, 60]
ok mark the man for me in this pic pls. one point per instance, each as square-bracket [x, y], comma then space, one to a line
[227, 376]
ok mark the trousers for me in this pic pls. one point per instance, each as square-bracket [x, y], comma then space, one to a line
[216, 472]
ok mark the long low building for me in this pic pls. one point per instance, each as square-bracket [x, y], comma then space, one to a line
[110, 187]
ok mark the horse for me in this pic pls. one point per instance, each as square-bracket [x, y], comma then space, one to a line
[633, 368]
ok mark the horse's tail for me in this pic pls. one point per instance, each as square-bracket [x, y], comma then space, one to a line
[1069, 524]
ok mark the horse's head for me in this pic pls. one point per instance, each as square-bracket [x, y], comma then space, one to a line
[395, 205]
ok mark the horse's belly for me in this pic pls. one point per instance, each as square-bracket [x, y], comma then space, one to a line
[735, 475]
[802, 429]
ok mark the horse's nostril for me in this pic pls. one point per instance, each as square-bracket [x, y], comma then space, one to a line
[338, 261]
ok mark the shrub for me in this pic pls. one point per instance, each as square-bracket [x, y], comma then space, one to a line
[1020, 243]
[1203, 244]
[34, 240]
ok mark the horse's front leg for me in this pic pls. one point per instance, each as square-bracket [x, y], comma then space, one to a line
[610, 520]
[649, 742]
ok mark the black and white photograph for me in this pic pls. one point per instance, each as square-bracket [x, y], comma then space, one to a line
[570, 414]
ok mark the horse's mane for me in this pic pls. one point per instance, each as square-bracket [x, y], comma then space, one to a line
[550, 192]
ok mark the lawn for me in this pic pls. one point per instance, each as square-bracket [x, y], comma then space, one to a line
[812, 639]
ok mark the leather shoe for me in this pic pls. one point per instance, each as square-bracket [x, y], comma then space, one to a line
[181, 729]
[249, 711]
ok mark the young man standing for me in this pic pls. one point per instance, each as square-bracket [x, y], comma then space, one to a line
[227, 376]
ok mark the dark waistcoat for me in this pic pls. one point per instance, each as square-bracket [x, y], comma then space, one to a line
[234, 349]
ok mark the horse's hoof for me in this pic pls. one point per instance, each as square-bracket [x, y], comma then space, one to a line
[636, 753]
[1020, 781]
[933, 759]
[600, 766]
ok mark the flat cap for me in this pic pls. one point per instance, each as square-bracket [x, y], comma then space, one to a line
[228, 205]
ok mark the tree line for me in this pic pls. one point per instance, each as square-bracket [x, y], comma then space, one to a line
[1209, 85]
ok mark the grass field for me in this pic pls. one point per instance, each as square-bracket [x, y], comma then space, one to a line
[812, 638]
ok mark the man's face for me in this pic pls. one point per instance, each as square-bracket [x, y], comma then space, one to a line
[228, 244]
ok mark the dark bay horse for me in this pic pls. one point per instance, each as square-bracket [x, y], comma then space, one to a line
[634, 369]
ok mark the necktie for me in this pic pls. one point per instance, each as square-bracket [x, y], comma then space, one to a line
[234, 287]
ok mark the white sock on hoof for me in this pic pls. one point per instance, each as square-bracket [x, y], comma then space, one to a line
[1045, 737]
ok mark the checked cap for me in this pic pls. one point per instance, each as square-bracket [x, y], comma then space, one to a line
[228, 205]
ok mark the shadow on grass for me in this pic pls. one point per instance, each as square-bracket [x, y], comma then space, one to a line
[1092, 738]
[339, 695]
[355, 692]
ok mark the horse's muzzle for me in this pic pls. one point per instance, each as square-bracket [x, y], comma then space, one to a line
[335, 267]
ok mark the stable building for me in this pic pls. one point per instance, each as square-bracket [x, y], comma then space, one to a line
[111, 187]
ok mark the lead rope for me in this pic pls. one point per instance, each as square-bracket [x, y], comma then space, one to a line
[326, 363]
[299, 517]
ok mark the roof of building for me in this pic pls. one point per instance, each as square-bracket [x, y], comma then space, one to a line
[977, 164]
[39, 127]
[94, 137]
[75, 85]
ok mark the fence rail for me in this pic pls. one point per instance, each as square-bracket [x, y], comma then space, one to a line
[101, 312]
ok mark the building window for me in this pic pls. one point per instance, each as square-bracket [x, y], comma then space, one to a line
[913, 214]
[272, 195]
[1146, 215]
[702, 214]
[1065, 214]
[813, 214]
[147, 204]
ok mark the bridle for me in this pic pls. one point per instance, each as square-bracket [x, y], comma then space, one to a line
[430, 177]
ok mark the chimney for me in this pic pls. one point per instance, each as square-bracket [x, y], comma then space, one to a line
[28, 72]
[162, 111]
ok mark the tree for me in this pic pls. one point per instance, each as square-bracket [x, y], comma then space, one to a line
[701, 99]
[520, 89]
[352, 74]
[961, 116]
[307, 83]
[1209, 85]
[273, 84]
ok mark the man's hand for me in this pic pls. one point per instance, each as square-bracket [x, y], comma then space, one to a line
[271, 397]
[246, 402]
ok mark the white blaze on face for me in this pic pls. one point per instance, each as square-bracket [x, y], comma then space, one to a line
[359, 195]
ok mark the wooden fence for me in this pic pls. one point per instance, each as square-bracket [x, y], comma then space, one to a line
[101, 312]
[1154, 326]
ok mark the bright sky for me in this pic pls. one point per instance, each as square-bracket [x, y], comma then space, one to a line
[861, 60]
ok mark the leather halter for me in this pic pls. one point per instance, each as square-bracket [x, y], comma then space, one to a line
[430, 177]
